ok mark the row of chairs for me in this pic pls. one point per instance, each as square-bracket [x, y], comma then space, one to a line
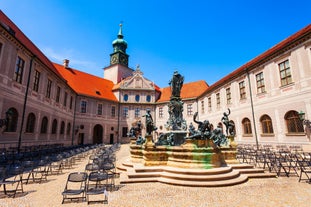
[80, 185]
[282, 160]
[14, 174]
[98, 177]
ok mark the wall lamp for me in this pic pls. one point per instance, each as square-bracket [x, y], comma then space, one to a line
[305, 121]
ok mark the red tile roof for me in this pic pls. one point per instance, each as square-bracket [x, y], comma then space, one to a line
[188, 91]
[86, 84]
[21, 37]
[270, 53]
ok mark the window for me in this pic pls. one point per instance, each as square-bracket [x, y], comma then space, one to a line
[218, 100]
[137, 97]
[285, 73]
[266, 124]
[65, 99]
[18, 75]
[68, 129]
[242, 90]
[126, 97]
[48, 89]
[36, 81]
[71, 100]
[30, 125]
[247, 127]
[44, 125]
[83, 107]
[228, 95]
[125, 112]
[161, 112]
[124, 131]
[202, 107]
[12, 117]
[54, 126]
[148, 98]
[113, 111]
[137, 112]
[62, 128]
[57, 94]
[189, 109]
[260, 83]
[99, 109]
[293, 123]
[209, 103]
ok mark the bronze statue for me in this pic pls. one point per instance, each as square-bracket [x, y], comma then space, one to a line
[176, 84]
[149, 123]
[229, 124]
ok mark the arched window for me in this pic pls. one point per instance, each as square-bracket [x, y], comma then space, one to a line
[148, 98]
[68, 129]
[54, 126]
[266, 124]
[30, 125]
[126, 97]
[293, 123]
[12, 117]
[62, 127]
[44, 125]
[247, 127]
[137, 97]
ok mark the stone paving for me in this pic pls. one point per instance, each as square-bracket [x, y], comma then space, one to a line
[274, 192]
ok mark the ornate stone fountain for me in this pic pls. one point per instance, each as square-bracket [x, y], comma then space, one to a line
[201, 156]
[196, 148]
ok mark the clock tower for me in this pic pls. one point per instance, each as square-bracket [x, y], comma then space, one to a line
[118, 68]
[119, 55]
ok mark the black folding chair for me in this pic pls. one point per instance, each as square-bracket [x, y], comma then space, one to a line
[96, 186]
[75, 187]
[304, 163]
[12, 180]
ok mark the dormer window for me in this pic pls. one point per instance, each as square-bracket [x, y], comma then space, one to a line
[98, 93]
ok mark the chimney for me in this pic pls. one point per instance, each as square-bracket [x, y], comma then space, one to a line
[66, 63]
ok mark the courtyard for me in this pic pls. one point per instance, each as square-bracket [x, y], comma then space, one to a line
[280, 191]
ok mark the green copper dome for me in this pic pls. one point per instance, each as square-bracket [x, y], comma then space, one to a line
[119, 44]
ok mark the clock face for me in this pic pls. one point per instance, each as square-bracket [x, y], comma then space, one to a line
[123, 60]
[114, 59]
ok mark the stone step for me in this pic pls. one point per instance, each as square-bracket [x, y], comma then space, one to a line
[241, 166]
[261, 175]
[143, 175]
[138, 180]
[201, 177]
[217, 183]
[251, 170]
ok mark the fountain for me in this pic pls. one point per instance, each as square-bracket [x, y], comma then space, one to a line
[181, 157]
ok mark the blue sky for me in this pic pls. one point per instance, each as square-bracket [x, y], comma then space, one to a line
[202, 39]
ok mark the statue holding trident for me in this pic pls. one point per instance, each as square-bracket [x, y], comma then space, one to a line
[176, 84]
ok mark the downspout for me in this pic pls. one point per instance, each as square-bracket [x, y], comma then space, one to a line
[252, 107]
[24, 106]
[74, 121]
[119, 107]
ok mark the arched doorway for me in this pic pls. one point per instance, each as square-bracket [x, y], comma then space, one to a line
[98, 134]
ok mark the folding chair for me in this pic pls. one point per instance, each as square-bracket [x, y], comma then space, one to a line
[12, 180]
[39, 172]
[75, 187]
[96, 185]
[304, 167]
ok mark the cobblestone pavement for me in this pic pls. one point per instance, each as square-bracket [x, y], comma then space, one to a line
[271, 192]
